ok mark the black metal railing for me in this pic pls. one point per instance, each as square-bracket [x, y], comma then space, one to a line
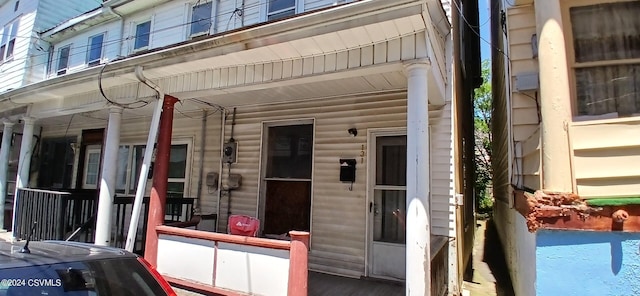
[44, 208]
[72, 216]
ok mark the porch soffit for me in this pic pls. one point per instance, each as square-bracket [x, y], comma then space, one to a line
[343, 28]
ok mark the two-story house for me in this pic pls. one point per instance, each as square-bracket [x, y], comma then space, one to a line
[24, 58]
[344, 119]
[567, 144]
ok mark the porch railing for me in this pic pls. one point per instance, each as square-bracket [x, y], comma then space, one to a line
[225, 264]
[71, 216]
[439, 266]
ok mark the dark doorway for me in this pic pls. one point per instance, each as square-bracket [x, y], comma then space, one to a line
[287, 182]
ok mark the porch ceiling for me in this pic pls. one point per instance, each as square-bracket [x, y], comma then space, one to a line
[374, 83]
[270, 49]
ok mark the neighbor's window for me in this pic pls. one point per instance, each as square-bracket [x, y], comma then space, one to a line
[130, 159]
[94, 52]
[281, 8]
[63, 60]
[142, 35]
[201, 19]
[606, 44]
[8, 43]
[92, 167]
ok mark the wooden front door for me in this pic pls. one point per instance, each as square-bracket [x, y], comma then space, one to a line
[286, 185]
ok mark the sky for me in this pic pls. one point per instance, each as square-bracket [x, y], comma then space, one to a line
[485, 29]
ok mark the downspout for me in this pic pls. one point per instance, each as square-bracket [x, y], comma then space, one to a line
[203, 135]
[146, 162]
[222, 131]
[215, 23]
[49, 67]
[242, 14]
[121, 36]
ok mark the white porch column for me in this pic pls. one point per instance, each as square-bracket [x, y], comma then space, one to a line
[108, 177]
[26, 151]
[5, 150]
[418, 270]
[24, 161]
[555, 98]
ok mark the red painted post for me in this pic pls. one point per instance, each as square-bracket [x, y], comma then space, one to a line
[158, 198]
[298, 264]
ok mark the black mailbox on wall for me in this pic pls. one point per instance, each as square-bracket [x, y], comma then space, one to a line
[348, 170]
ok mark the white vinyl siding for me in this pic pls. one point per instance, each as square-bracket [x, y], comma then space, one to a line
[524, 114]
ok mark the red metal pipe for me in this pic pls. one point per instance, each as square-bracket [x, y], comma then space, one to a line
[158, 198]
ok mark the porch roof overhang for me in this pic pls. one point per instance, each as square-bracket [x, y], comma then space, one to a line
[337, 29]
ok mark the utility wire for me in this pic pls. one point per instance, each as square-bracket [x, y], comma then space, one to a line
[119, 40]
[476, 32]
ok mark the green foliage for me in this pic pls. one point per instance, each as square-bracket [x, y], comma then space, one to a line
[482, 121]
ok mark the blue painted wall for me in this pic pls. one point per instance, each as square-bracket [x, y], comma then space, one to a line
[587, 263]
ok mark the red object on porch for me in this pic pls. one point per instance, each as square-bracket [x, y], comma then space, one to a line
[243, 225]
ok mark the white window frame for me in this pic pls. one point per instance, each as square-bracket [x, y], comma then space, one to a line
[9, 37]
[134, 28]
[265, 13]
[130, 172]
[92, 149]
[191, 22]
[58, 70]
[571, 59]
[90, 47]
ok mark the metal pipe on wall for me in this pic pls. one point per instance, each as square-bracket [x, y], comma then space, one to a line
[203, 136]
[222, 131]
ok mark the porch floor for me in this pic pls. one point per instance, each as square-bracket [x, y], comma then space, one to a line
[321, 284]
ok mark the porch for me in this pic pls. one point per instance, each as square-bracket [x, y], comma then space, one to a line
[71, 215]
[233, 265]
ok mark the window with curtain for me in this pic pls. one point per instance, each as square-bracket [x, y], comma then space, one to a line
[606, 44]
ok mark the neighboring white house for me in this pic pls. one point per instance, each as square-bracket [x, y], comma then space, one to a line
[23, 55]
[299, 90]
[23, 60]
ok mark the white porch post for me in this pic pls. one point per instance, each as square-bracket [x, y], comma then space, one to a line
[5, 149]
[555, 98]
[418, 270]
[108, 177]
[24, 161]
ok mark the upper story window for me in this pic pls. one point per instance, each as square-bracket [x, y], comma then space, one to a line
[63, 60]
[281, 8]
[143, 31]
[94, 52]
[605, 42]
[8, 43]
[201, 19]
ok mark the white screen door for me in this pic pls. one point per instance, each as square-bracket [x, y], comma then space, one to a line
[387, 206]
